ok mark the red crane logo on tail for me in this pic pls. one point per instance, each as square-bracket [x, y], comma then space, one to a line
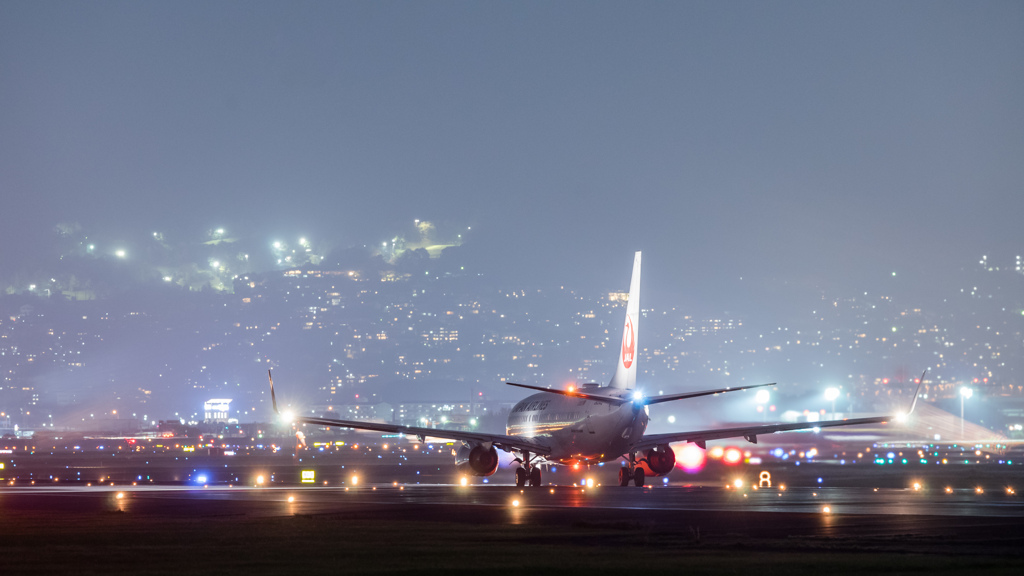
[628, 343]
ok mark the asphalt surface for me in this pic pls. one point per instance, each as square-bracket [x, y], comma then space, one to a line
[823, 510]
[161, 529]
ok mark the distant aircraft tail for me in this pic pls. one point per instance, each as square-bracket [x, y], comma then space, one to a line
[625, 372]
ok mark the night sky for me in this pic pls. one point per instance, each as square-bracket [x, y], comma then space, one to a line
[810, 143]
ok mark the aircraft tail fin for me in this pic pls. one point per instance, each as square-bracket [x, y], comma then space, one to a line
[625, 371]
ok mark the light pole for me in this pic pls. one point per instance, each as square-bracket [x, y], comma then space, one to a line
[831, 394]
[762, 398]
[965, 393]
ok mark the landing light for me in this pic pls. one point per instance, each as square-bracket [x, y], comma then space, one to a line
[515, 503]
[464, 481]
[826, 510]
[638, 396]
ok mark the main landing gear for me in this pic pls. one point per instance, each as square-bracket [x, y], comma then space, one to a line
[527, 472]
[632, 472]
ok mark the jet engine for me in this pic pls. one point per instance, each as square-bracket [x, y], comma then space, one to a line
[477, 459]
[658, 461]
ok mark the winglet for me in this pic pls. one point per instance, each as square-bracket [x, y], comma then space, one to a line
[273, 397]
[917, 392]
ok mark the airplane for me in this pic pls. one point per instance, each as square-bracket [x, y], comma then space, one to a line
[591, 424]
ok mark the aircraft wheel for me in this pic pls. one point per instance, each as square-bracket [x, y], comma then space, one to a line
[535, 476]
[521, 476]
[624, 476]
[638, 477]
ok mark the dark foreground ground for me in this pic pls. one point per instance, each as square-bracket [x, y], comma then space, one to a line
[454, 530]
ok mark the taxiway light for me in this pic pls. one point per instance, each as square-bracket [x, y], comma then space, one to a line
[1009, 490]
[917, 486]
[949, 489]
[979, 490]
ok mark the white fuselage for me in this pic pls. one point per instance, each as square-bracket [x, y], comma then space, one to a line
[577, 429]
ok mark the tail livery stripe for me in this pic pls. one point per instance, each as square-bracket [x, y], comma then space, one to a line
[625, 371]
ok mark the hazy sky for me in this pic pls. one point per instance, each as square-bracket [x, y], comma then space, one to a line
[808, 141]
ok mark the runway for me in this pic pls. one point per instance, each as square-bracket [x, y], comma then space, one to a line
[906, 507]
[316, 499]
[602, 522]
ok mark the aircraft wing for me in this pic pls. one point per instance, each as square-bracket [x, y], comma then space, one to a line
[750, 433]
[641, 400]
[614, 400]
[500, 440]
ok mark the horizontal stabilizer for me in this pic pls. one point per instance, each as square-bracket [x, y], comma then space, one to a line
[636, 397]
